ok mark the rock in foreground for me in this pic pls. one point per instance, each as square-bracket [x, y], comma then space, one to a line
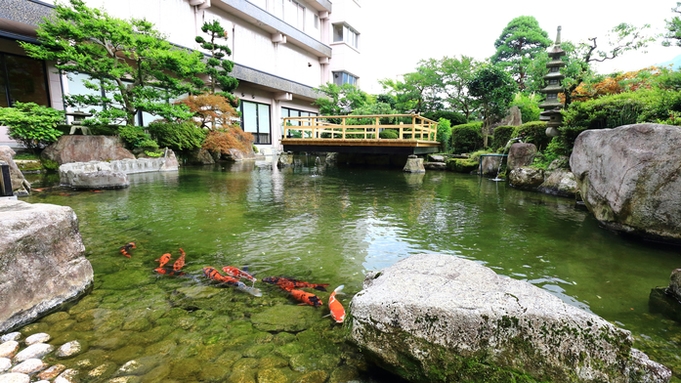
[441, 318]
[42, 260]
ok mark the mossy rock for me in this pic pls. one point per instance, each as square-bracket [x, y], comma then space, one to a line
[286, 318]
[462, 165]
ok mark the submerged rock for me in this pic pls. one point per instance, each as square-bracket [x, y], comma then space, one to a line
[459, 321]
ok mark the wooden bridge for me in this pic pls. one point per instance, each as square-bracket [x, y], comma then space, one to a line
[402, 134]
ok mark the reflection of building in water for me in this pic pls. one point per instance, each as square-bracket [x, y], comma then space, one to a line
[282, 51]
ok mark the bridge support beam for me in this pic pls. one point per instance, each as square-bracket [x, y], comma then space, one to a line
[414, 164]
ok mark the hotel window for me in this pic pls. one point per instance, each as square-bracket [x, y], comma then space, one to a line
[343, 33]
[294, 14]
[316, 22]
[289, 112]
[340, 78]
[22, 79]
[255, 119]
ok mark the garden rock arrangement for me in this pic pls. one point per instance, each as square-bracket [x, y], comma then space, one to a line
[459, 321]
[23, 359]
[72, 148]
[20, 186]
[42, 260]
[629, 178]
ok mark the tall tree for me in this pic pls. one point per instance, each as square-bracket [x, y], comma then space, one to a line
[494, 89]
[137, 69]
[418, 91]
[673, 35]
[218, 67]
[518, 44]
[455, 75]
[340, 99]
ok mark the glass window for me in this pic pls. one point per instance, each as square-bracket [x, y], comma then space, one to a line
[346, 34]
[22, 79]
[255, 119]
[340, 78]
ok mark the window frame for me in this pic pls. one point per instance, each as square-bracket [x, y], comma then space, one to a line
[258, 133]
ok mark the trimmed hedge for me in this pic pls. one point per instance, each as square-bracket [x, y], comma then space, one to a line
[467, 137]
[501, 136]
[178, 136]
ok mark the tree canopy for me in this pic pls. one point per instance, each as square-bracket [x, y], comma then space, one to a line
[218, 67]
[519, 43]
[129, 60]
[494, 89]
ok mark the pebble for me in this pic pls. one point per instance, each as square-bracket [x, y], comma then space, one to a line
[40, 337]
[5, 364]
[9, 349]
[52, 372]
[37, 350]
[11, 336]
[14, 377]
[69, 349]
[68, 376]
[29, 366]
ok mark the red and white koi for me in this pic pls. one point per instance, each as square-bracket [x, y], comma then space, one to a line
[238, 273]
[335, 307]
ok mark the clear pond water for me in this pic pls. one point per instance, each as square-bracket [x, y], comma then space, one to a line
[324, 225]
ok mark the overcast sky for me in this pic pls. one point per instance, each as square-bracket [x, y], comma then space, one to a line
[399, 33]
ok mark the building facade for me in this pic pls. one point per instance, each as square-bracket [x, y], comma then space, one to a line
[282, 50]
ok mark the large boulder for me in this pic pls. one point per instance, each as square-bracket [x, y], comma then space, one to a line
[42, 261]
[521, 154]
[20, 186]
[526, 178]
[630, 178]
[441, 318]
[72, 148]
[560, 182]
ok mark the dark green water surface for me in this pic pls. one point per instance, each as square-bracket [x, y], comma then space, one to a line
[326, 226]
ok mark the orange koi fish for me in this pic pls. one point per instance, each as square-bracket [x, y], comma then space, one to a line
[336, 308]
[212, 273]
[180, 261]
[289, 284]
[125, 249]
[165, 258]
[168, 271]
[306, 298]
[238, 273]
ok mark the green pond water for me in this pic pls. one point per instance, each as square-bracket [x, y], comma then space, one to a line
[324, 225]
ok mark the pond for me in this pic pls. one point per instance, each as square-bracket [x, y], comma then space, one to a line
[322, 225]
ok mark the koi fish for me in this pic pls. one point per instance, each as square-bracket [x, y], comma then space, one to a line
[212, 273]
[168, 271]
[165, 258]
[238, 273]
[180, 261]
[336, 308]
[306, 298]
[125, 249]
[289, 284]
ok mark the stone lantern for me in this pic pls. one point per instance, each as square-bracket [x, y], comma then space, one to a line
[552, 105]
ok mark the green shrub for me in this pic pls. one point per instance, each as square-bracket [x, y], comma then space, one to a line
[103, 130]
[501, 136]
[455, 118]
[31, 124]
[534, 132]
[134, 137]
[389, 134]
[528, 105]
[462, 165]
[178, 136]
[467, 137]
[556, 148]
[444, 133]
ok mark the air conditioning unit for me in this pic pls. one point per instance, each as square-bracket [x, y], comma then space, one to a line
[201, 4]
[279, 38]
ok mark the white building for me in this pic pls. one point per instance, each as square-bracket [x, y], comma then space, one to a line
[282, 50]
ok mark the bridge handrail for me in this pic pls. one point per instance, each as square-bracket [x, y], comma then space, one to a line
[319, 128]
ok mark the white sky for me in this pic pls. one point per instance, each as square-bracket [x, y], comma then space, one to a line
[398, 33]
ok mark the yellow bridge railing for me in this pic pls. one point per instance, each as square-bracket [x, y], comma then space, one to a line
[361, 127]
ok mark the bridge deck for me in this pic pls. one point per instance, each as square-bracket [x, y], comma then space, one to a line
[410, 134]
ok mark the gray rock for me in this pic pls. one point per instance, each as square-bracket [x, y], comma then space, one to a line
[414, 165]
[20, 186]
[9, 349]
[42, 260]
[67, 376]
[69, 349]
[459, 321]
[675, 283]
[526, 178]
[10, 336]
[5, 364]
[629, 178]
[436, 158]
[34, 351]
[560, 182]
[101, 179]
[331, 158]
[71, 148]
[521, 154]
[52, 372]
[14, 377]
[40, 337]
[489, 165]
[285, 160]
[30, 366]
[435, 165]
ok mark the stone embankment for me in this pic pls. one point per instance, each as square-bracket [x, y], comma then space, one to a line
[456, 320]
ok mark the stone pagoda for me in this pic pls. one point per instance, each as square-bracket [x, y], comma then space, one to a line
[552, 105]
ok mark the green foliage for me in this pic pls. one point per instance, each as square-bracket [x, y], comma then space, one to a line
[555, 149]
[494, 89]
[533, 132]
[462, 165]
[340, 99]
[49, 165]
[389, 134]
[673, 25]
[178, 136]
[32, 124]
[455, 118]
[134, 137]
[502, 134]
[444, 133]
[528, 105]
[217, 67]
[418, 91]
[609, 111]
[520, 41]
[89, 41]
[467, 137]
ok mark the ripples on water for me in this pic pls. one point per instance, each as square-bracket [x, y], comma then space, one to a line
[335, 225]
